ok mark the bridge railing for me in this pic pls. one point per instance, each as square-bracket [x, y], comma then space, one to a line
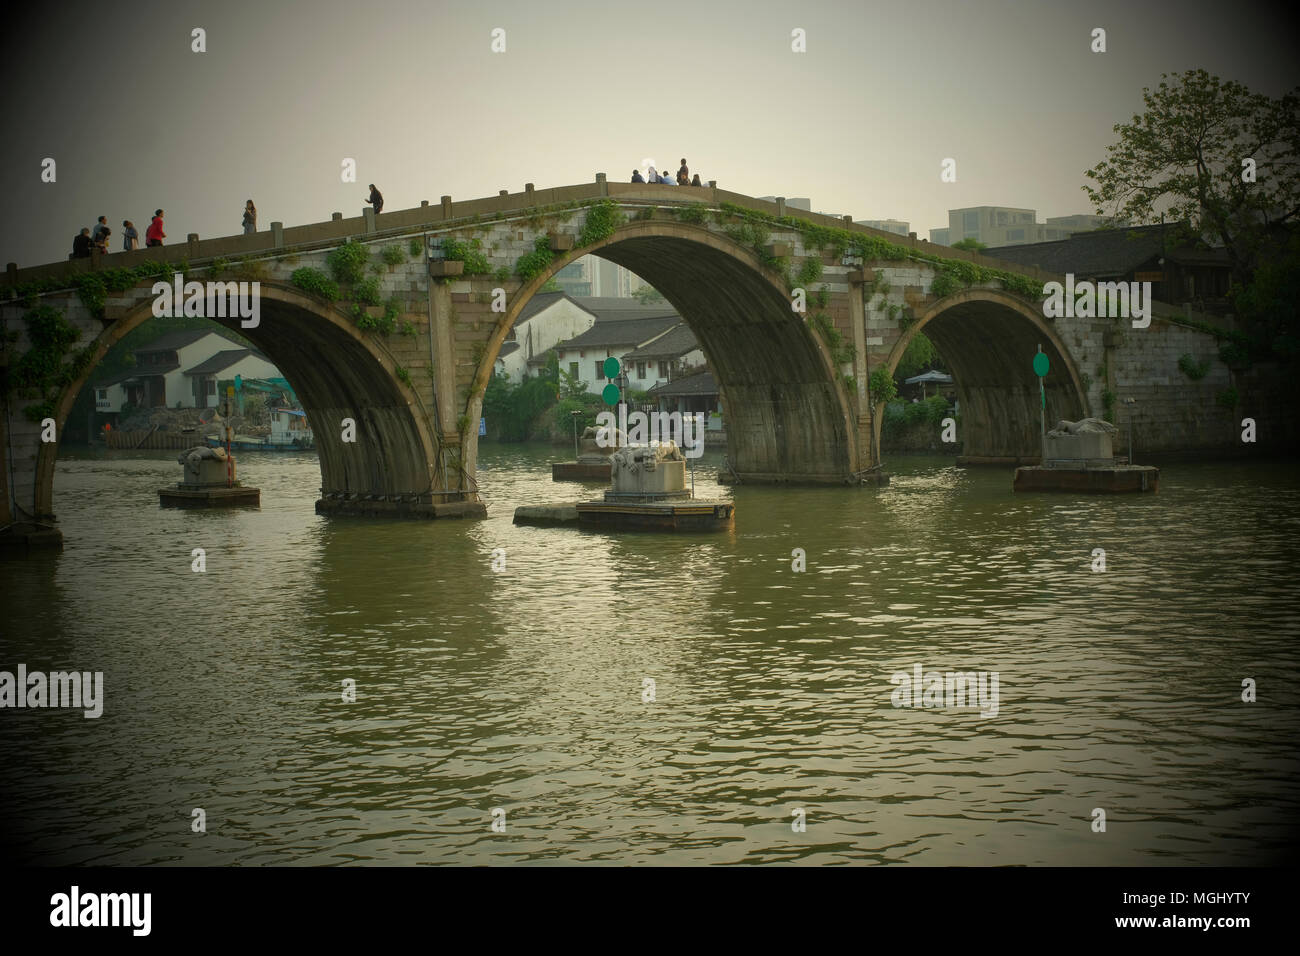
[279, 241]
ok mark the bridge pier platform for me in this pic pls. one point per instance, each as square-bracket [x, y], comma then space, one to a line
[352, 504]
[26, 536]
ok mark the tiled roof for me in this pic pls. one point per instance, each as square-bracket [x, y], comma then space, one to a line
[675, 343]
[701, 383]
[631, 333]
[115, 379]
[609, 309]
[544, 300]
[1105, 252]
[174, 340]
[223, 360]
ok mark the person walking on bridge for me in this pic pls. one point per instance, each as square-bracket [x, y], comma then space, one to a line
[130, 238]
[250, 218]
[154, 235]
[376, 199]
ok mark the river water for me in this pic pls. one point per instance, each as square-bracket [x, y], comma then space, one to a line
[525, 690]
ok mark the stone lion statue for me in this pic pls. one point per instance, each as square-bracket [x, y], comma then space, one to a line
[634, 459]
[1084, 427]
[591, 451]
[200, 452]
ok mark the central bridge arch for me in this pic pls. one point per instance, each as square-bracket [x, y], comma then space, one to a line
[787, 415]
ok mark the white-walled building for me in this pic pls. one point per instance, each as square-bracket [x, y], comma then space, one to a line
[584, 355]
[225, 364]
[652, 343]
[548, 318]
[896, 226]
[180, 368]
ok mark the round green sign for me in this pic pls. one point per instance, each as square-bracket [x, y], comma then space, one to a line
[1040, 364]
[610, 394]
[611, 368]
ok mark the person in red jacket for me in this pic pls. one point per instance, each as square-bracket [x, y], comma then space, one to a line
[154, 235]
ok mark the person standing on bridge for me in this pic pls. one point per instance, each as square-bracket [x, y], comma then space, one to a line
[695, 181]
[81, 245]
[154, 235]
[250, 218]
[98, 233]
[667, 180]
[102, 243]
[636, 176]
[130, 238]
[376, 199]
[650, 175]
[683, 174]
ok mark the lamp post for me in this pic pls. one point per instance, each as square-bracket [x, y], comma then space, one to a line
[1131, 403]
[621, 382]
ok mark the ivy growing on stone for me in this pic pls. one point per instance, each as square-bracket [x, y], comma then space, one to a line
[316, 283]
[41, 372]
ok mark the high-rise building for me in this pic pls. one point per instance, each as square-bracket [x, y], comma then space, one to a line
[1010, 226]
[593, 276]
[896, 226]
[805, 204]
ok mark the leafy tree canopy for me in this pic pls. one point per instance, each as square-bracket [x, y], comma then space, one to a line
[1186, 156]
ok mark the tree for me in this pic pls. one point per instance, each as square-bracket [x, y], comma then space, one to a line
[1212, 153]
[919, 356]
[971, 244]
[648, 295]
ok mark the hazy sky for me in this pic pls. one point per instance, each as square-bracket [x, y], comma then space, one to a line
[413, 92]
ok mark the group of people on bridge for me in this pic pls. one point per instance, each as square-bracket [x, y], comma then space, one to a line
[87, 240]
[684, 177]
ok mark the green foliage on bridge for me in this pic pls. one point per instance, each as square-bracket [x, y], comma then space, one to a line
[316, 283]
[469, 252]
[841, 242]
[41, 372]
[347, 262]
[533, 264]
[881, 387]
[603, 218]
[367, 291]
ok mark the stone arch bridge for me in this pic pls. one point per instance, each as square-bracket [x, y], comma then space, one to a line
[794, 386]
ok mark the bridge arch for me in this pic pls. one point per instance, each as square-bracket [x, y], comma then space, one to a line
[338, 373]
[788, 417]
[988, 339]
